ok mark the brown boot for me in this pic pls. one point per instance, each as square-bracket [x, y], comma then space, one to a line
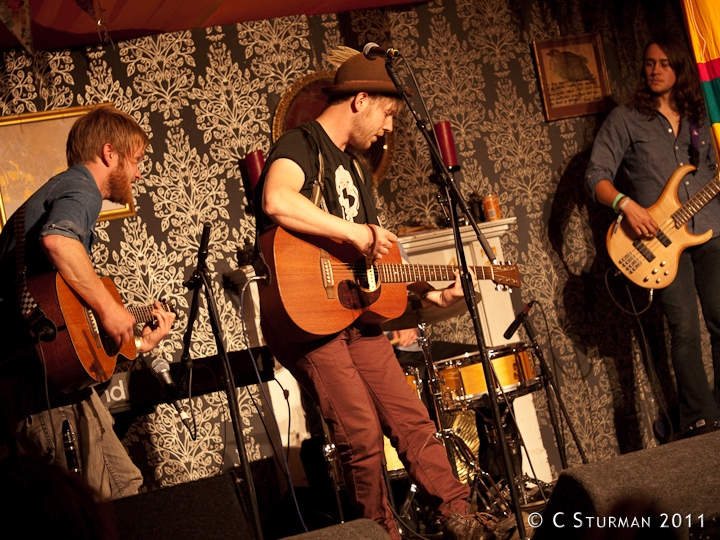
[507, 528]
[475, 526]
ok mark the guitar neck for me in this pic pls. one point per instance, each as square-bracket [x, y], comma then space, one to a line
[408, 273]
[683, 214]
[144, 314]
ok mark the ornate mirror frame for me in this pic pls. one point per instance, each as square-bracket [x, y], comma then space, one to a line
[305, 100]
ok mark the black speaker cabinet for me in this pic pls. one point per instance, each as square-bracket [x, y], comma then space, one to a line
[359, 529]
[670, 491]
[213, 508]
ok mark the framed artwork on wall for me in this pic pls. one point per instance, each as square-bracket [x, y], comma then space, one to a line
[32, 150]
[573, 76]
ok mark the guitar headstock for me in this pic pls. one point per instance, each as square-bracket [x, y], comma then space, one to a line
[506, 275]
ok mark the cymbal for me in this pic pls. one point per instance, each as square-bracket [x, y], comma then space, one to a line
[419, 310]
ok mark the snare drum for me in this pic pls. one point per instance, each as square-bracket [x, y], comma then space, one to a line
[462, 380]
[393, 464]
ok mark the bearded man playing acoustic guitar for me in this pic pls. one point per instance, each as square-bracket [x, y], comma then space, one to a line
[104, 149]
[353, 374]
[664, 127]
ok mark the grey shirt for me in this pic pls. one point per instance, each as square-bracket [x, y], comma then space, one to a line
[647, 151]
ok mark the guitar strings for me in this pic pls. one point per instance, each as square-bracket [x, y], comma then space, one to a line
[696, 202]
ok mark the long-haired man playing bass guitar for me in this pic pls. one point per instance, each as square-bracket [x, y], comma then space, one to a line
[664, 127]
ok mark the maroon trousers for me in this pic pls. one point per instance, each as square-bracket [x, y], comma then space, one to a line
[363, 393]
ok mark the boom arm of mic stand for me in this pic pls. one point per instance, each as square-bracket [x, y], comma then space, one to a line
[547, 375]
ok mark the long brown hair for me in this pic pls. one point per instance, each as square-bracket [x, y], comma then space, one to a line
[686, 92]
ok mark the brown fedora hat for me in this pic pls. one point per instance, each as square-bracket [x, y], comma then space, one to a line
[360, 74]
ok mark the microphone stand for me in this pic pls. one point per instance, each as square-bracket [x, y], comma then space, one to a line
[550, 390]
[200, 279]
[456, 200]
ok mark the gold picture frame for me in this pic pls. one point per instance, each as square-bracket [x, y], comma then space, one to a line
[32, 150]
[573, 76]
[304, 100]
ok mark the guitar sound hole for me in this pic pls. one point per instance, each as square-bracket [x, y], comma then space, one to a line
[108, 343]
[351, 296]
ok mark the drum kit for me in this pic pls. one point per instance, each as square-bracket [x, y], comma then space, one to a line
[458, 388]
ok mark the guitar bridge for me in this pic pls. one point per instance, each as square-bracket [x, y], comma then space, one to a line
[326, 272]
[370, 274]
[630, 263]
[92, 323]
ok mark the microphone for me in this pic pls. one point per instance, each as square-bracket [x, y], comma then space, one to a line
[204, 241]
[161, 369]
[372, 50]
[71, 458]
[518, 320]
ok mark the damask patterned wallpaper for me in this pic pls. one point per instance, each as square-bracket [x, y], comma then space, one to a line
[207, 97]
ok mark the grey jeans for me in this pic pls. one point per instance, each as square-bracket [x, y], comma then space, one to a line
[104, 462]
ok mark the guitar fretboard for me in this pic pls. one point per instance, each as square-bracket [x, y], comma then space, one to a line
[144, 314]
[405, 273]
[683, 214]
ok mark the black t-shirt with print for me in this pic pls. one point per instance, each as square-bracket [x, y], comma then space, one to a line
[345, 194]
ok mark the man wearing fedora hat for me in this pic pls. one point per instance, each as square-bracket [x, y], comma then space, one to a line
[311, 184]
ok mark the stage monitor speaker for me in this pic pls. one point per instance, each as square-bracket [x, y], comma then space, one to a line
[670, 491]
[359, 529]
[211, 509]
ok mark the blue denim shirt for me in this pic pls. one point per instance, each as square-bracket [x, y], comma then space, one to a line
[648, 152]
[68, 204]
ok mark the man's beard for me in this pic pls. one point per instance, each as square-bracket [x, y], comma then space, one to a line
[119, 186]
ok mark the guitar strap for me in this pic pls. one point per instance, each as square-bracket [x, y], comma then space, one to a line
[318, 198]
[42, 328]
[318, 191]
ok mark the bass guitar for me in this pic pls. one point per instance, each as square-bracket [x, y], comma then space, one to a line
[318, 286]
[82, 353]
[653, 263]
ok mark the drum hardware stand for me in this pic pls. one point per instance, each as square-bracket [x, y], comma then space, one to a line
[443, 177]
[548, 383]
[455, 446]
[520, 478]
[330, 454]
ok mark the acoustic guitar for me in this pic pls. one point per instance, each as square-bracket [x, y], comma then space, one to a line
[653, 263]
[318, 286]
[82, 353]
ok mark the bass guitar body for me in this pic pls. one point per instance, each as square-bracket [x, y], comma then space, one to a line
[653, 263]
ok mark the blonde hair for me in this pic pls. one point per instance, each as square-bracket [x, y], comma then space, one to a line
[103, 125]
